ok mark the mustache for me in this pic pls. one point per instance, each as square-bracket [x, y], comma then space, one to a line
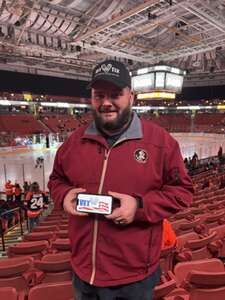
[106, 109]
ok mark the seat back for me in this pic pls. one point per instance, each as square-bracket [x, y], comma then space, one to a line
[39, 236]
[62, 245]
[182, 239]
[46, 228]
[182, 269]
[27, 248]
[8, 293]
[207, 294]
[15, 266]
[56, 291]
[166, 258]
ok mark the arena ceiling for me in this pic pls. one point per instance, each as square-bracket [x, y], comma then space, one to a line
[65, 38]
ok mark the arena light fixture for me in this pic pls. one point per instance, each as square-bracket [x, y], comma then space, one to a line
[5, 102]
[156, 95]
[221, 106]
[158, 79]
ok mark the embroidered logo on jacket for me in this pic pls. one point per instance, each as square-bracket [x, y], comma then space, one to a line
[141, 156]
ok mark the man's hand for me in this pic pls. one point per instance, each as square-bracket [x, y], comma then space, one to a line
[69, 203]
[126, 212]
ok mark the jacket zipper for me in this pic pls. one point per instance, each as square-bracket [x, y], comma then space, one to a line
[95, 233]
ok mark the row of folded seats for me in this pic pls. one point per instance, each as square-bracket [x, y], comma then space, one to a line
[39, 267]
[196, 280]
[192, 269]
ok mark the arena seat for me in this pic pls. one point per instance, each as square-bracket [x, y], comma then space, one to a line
[16, 273]
[63, 226]
[165, 287]
[48, 223]
[35, 249]
[45, 228]
[61, 245]
[207, 294]
[186, 227]
[194, 248]
[217, 246]
[182, 269]
[10, 293]
[166, 259]
[39, 236]
[56, 291]
[54, 268]
[62, 234]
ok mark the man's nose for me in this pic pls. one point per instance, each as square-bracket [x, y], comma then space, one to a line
[106, 101]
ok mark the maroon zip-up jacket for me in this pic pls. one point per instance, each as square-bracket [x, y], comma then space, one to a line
[145, 162]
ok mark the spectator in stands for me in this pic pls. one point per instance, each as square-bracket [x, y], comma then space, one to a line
[26, 188]
[47, 141]
[194, 161]
[18, 193]
[220, 154]
[132, 160]
[222, 183]
[9, 190]
[34, 202]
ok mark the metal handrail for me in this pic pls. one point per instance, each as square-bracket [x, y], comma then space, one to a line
[1, 227]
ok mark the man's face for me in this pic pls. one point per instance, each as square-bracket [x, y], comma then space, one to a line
[111, 106]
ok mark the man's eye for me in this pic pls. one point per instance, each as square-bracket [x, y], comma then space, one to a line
[115, 95]
[99, 96]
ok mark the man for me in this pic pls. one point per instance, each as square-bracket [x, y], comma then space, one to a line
[9, 191]
[117, 256]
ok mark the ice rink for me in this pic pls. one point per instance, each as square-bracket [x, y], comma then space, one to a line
[19, 165]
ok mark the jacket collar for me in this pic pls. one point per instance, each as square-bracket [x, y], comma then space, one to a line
[134, 131]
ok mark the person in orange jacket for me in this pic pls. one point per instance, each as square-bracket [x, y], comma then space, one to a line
[169, 235]
[34, 202]
[9, 190]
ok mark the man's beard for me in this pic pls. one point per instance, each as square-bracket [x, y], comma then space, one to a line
[115, 125]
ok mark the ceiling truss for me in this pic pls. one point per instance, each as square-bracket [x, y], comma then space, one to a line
[67, 37]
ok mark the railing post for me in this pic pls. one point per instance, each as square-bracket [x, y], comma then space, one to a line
[2, 236]
[21, 224]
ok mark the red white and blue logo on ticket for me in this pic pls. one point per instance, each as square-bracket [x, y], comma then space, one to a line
[98, 204]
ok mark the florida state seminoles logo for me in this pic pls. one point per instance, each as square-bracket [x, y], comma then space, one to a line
[141, 156]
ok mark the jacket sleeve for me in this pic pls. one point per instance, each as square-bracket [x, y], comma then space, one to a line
[58, 183]
[176, 192]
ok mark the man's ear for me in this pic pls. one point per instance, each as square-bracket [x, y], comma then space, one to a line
[131, 98]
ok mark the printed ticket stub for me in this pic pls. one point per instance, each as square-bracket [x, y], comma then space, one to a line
[98, 204]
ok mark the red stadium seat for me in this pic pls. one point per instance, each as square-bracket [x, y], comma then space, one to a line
[62, 234]
[36, 249]
[10, 293]
[45, 228]
[61, 245]
[54, 268]
[39, 236]
[16, 273]
[55, 291]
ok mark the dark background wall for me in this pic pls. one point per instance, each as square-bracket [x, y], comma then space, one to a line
[37, 84]
[202, 92]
